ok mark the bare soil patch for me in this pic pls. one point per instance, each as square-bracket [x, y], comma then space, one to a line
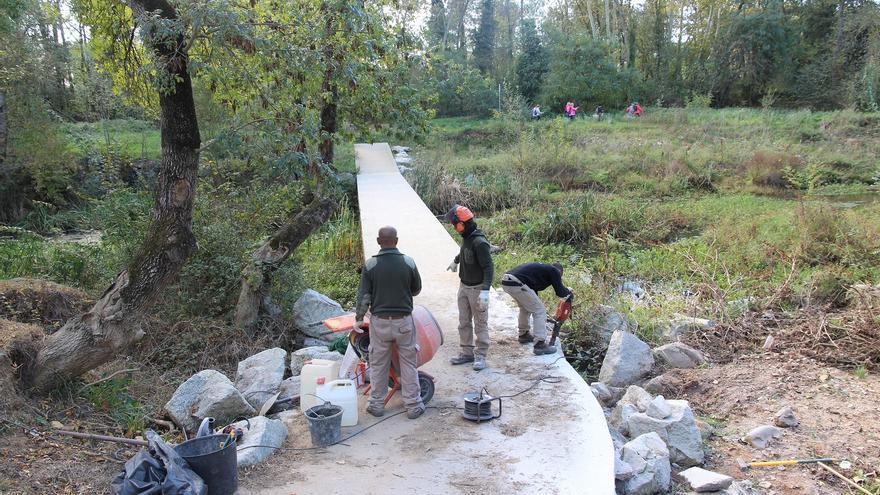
[836, 408]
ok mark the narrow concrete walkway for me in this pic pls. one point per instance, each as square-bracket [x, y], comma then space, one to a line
[552, 439]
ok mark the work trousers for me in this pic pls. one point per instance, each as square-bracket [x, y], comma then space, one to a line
[385, 333]
[530, 306]
[472, 321]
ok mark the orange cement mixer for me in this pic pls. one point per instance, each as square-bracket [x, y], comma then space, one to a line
[429, 337]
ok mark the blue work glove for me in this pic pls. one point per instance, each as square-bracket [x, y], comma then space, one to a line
[358, 326]
[483, 301]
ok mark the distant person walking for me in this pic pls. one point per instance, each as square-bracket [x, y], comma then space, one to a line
[536, 112]
[477, 269]
[600, 112]
[389, 281]
[523, 284]
[638, 110]
[570, 110]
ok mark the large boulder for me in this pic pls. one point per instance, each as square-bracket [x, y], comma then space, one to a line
[259, 376]
[648, 459]
[660, 384]
[607, 396]
[267, 433]
[678, 355]
[300, 357]
[627, 360]
[310, 310]
[681, 324]
[679, 430]
[289, 390]
[659, 408]
[607, 321]
[635, 400]
[208, 393]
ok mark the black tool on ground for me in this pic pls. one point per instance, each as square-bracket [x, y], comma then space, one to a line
[478, 406]
[563, 311]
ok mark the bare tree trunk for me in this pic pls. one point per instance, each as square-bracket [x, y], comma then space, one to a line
[332, 58]
[509, 32]
[462, 36]
[256, 278]
[65, 51]
[3, 130]
[607, 21]
[446, 16]
[593, 28]
[112, 324]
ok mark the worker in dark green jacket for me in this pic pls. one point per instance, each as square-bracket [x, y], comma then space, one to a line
[475, 274]
[389, 281]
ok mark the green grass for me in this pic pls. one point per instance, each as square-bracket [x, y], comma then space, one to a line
[717, 202]
[134, 138]
[860, 372]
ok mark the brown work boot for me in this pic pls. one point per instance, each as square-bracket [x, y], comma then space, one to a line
[526, 338]
[376, 410]
[415, 412]
[461, 359]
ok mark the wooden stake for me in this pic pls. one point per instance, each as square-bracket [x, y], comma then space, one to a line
[844, 478]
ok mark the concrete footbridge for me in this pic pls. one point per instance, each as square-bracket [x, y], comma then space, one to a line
[550, 439]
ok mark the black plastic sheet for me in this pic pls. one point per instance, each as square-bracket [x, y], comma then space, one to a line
[158, 470]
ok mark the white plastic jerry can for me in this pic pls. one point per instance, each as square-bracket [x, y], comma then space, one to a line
[313, 370]
[342, 393]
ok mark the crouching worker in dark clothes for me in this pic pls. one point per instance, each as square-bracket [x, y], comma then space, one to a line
[389, 281]
[523, 284]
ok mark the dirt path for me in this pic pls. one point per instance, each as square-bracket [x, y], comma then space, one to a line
[550, 440]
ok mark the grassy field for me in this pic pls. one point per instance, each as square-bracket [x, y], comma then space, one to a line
[710, 209]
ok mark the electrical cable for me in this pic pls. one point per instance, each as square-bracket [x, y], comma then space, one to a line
[545, 379]
[386, 418]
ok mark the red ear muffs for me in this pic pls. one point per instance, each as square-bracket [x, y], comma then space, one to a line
[458, 216]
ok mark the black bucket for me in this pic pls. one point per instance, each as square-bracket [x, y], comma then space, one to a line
[218, 467]
[325, 424]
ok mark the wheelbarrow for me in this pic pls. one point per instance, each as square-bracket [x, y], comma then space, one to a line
[429, 339]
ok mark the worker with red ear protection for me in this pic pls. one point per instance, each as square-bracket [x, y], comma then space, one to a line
[475, 274]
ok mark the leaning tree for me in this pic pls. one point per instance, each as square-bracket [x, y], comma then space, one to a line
[112, 324]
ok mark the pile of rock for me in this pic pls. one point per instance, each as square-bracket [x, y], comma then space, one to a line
[402, 158]
[653, 437]
[261, 381]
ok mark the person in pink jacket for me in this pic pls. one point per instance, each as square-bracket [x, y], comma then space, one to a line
[570, 110]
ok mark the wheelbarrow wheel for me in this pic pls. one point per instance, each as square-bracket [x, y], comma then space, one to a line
[426, 384]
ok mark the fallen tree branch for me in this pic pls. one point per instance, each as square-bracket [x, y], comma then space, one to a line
[161, 422]
[102, 438]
